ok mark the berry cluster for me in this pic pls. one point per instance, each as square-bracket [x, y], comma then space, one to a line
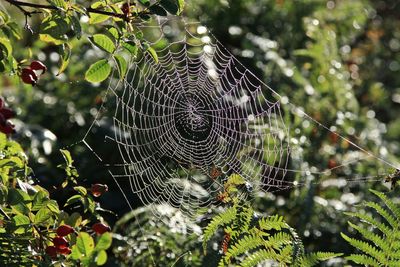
[60, 243]
[30, 75]
[6, 113]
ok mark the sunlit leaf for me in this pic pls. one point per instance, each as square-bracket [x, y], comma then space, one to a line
[103, 42]
[122, 65]
[104, 242]
[85, 243]
[98, 71]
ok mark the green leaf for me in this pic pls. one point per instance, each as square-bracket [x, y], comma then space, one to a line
[81, 190]
[158, 10]
[6, 46]
[42, 215]
[97, 18]
[53, 29]
[52, 205]
[65, 52]
[21, 220]
[181, 5]
[103, 42]
[67, 157]
[101, 258]
[58, 3]
[122, 65]
[104, 242]
[145, 2]
[152, 53]
[98, 71]
[74, 199]
[76, 27]
[114, 32]
[130, 47]
[85, 243]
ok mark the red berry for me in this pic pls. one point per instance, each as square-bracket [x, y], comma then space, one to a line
[64, 230]
[7, 113]
[7, 127]
[37, 65]
[28, 76]
[100, 228]
[64, 251]
[60, 242]
[98, 189]
[51, 251]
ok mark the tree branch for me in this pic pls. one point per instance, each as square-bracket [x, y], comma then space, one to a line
[20, 4]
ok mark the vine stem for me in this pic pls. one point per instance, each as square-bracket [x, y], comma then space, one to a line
[20, 4]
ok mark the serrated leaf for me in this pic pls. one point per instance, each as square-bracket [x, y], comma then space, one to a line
[65, 53]
[85, 243]
[122, 65]
[152, 53]
[98, 71]
[104, 242]
[103, 42]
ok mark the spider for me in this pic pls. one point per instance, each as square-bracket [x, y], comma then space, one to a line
[215, 172]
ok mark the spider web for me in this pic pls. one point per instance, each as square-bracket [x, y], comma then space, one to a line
[182, 124]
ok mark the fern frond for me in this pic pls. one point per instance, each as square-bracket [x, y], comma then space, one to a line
[257, 257]
[366, 248]
[224, 218]
[384, 213]
[244, 244]
[363, 259]
[379, 241]
[314, 258]
[390, 204]
[279, 239]
[273, 222]
[372, 221]
[245, 216]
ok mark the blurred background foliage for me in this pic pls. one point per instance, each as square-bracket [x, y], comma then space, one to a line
[338, 60]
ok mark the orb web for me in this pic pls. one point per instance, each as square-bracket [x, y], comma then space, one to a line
[182, 123]
[195, 115]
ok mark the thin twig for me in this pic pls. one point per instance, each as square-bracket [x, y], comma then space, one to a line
[20, 4]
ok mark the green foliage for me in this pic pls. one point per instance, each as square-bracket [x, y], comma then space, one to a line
[380, 243]
[249, 239]
[29, 216]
